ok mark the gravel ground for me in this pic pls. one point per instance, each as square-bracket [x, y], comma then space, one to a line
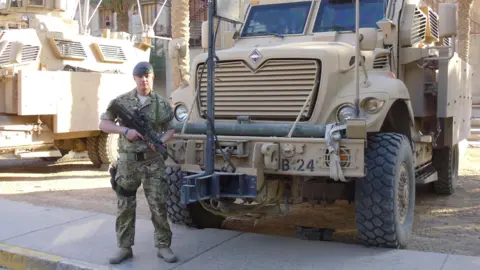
[442, 224]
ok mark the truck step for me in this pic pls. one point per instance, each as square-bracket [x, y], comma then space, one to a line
[426, 174]
[39, 154]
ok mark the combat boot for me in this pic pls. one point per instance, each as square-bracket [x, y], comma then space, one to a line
[167, 254]
[121, 255]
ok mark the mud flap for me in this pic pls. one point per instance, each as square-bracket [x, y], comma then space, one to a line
[202, 186]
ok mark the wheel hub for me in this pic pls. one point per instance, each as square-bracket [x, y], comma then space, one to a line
[402, 193]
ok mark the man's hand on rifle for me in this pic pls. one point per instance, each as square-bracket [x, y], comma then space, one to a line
[133, 135]
[152, 147]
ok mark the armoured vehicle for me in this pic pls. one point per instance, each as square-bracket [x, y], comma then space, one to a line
[57, 78]
[296, 115]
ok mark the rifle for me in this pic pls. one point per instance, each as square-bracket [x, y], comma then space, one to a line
[136, 121]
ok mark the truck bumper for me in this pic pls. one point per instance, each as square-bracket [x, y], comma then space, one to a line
[254, 158]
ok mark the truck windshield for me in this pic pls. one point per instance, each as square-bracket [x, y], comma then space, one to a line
[277, 19]
[339, 15]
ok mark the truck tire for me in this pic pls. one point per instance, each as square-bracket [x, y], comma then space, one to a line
[445, 161]
[108, 148]
[191, 215]
[385, 197]
[92, 151]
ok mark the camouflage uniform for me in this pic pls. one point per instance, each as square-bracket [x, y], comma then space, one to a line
[133, 171]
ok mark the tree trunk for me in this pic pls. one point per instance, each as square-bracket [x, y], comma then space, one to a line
[181, 30]
[122, 22]
[463, 26]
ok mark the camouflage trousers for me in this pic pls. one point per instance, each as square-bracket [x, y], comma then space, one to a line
[129, 176]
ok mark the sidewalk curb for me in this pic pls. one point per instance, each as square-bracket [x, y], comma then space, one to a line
[13, 258]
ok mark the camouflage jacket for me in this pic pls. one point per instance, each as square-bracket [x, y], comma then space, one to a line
[156, 109]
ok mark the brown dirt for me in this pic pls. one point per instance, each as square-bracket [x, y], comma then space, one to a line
[446, 224]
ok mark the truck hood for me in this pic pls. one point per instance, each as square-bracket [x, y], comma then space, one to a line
[336, 54]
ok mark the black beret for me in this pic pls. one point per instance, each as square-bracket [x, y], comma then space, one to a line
[142, 68]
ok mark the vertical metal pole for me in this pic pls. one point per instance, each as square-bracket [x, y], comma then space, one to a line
[93, 13]
[210, 154]
[357, 58]
[85, 19]
[140, 14]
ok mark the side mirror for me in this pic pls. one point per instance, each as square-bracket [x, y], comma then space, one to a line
[177, 48]
[205, 35]
[448, 19]
[368, 39]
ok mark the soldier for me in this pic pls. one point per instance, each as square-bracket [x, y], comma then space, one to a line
[139, 163]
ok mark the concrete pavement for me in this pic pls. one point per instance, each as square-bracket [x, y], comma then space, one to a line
[64, 236]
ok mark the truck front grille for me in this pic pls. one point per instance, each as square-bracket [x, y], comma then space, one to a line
[276, 90]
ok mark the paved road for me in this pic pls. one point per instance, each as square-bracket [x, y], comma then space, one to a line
[90, 237]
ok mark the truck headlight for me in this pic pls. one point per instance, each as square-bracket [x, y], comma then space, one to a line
[345, 112]
[181, 112]
[372, 105]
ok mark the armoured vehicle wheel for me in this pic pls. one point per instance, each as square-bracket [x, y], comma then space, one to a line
[445, 161]
[385, 197]
[102, 149]
[92, 150]
[192, 215]
[108, 148]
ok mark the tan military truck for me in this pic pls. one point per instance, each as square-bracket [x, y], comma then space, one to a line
[57, 78]
[295, 121]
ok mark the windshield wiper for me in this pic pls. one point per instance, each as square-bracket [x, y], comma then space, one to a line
[269, 33]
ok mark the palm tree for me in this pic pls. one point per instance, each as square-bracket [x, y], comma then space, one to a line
[181, 30]
[463, 26]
